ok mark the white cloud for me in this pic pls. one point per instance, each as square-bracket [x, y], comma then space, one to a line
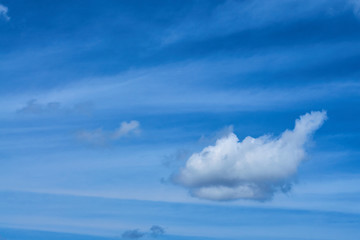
[4, 12]
[254, 168]
[126, 128]
[101, 137]
[355, 4]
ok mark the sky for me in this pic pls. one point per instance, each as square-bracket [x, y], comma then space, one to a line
[179, 120]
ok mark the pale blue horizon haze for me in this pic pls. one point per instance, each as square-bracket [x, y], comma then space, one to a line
[201, 120]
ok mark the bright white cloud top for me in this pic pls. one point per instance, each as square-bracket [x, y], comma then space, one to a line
[254, 168]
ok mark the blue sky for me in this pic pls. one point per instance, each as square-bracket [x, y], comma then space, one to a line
[202, 119]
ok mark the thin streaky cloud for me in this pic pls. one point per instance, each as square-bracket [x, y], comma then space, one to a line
[235, 15]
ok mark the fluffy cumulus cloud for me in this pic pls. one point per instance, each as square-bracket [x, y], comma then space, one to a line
[101, 137]
[254, 168]
[4, 12]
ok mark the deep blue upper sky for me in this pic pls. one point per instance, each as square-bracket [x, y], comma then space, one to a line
[102, 102]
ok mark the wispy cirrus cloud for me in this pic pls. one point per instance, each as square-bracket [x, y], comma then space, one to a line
[233, 15]
[254, 168]
[4, 12]
[206, 90]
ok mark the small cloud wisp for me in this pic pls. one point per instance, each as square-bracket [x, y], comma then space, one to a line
[157, 231]
[33, 107]
[4, 12]
[132, 234]
[101, 137]
[154, 232]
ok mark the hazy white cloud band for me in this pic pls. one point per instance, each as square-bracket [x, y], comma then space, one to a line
[254, 168]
